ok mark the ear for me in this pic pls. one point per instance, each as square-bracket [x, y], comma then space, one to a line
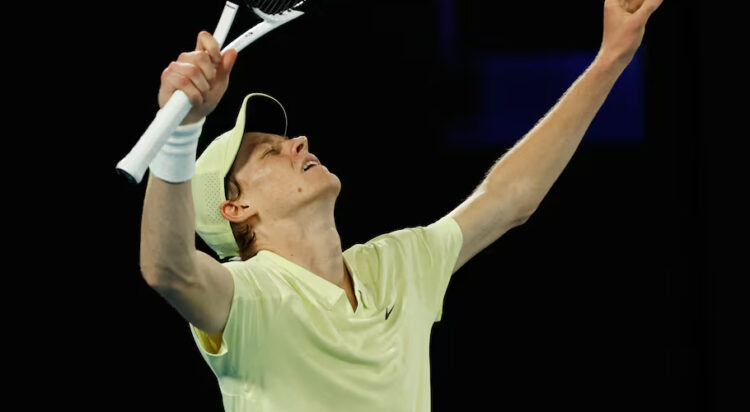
[237, 211]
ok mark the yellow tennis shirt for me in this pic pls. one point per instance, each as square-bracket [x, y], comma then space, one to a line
[293, 342]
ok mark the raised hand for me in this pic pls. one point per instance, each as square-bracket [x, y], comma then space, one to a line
[202, 74]
[624, 27]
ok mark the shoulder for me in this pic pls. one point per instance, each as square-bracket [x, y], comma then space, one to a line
[254, 277]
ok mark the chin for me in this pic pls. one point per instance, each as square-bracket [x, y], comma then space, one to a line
[331, 188]
[334, 185]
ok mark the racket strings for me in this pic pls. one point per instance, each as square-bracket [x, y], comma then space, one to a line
[273, 6]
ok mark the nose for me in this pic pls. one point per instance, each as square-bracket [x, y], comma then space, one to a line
[299, 144]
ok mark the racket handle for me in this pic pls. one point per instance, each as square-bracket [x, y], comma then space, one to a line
[225, 22]
[133, 166]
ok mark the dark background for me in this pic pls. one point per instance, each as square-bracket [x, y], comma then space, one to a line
[619, 292]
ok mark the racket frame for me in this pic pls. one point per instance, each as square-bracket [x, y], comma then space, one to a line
[133, 166]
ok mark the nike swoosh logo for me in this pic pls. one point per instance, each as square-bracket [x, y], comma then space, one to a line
[388, 312]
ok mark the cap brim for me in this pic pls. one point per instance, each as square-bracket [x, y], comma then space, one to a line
[263, 115]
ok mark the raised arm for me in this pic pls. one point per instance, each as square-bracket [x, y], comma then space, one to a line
[168, 222]
[519, 180]
[194, 283]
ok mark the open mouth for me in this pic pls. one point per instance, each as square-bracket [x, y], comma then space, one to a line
[309, 166]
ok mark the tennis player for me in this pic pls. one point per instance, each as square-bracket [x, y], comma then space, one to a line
[287, 320]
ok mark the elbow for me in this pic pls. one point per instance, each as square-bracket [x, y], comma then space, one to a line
[517, 201]
[522, 220]
[151, 276]
[149, 269]
[164, 276]
[160, 269]
[155, 276]
[524, 216]
[163, 280]
[148, 263]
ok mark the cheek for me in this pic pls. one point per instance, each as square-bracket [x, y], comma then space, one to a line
[262, 174]
[271, 177]
[272, 183]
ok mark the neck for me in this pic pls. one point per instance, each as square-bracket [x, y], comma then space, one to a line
[309, 241]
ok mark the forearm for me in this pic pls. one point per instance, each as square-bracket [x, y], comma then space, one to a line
[167, 230]
[537, 160]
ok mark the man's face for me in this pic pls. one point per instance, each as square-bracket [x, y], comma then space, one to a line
[273, 178]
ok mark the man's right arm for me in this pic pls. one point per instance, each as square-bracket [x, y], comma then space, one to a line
[193, 282]
[168, 233]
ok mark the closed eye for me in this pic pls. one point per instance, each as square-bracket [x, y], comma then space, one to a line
[275, 147]
[270, 151]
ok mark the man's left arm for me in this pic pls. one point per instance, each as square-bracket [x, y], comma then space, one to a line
[516, 184]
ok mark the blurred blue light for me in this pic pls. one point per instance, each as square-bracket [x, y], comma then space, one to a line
[516, 91]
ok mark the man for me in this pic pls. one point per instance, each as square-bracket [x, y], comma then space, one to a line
[273, 324]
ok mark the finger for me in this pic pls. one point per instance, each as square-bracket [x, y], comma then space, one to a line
[647, 8]
[207, 42]
[227, 62]
[192, 72]
[631, 6]
[181, 82]
[202, 60]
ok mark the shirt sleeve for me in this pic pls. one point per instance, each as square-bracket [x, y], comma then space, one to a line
[439, 245]
[428, 254]
[244, 327]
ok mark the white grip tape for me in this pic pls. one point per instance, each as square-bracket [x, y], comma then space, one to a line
[135, 163]
[225, 22]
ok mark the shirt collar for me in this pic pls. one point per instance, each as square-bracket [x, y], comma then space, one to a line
[328, 293]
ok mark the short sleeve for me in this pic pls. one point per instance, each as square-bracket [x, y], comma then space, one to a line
[428, 254]
[244, 327]
[442, 242]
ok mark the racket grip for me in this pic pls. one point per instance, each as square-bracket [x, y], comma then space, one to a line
[133, 166]
[225, 22]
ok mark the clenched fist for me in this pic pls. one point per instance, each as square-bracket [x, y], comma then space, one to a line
[624, 27]
[203, 75]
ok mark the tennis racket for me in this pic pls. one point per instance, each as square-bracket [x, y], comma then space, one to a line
[274, 14]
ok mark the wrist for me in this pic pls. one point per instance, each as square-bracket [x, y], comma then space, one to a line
[610, 63]
[175, 161]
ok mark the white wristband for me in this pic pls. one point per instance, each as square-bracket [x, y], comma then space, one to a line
[175, 162]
